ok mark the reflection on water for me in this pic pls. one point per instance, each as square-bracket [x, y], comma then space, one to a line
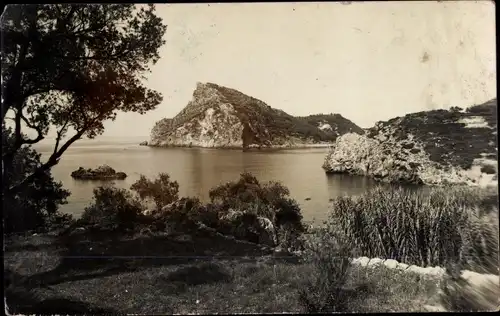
[198, 170]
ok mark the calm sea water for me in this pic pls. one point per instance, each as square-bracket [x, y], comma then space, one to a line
[198, 170]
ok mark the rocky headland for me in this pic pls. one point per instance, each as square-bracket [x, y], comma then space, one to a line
[101, 173]
[456, 146]
[220, 117]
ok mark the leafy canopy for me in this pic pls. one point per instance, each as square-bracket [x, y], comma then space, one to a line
[34, 207]
[73, 67]
[162, 190]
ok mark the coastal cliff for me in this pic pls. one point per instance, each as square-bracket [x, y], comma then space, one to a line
[220, 117]
[456, 146]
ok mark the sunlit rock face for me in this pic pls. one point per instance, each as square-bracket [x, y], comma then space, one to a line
[431, 147]
[221, 117]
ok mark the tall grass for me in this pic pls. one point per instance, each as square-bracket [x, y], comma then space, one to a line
[458, 225]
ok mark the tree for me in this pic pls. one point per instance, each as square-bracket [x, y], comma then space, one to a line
[72, 67]
[162, 191]
[36, 204]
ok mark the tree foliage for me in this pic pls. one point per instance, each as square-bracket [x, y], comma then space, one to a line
[36, 204]
[161, 191]
[112, 209]
[73, 67]
[271, 200]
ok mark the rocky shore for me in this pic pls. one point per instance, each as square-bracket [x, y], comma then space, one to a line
[433, 147]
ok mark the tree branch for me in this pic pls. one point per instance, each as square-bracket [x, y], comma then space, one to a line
[59, 136]
[36, 128]
[19, 140]
[52, 161]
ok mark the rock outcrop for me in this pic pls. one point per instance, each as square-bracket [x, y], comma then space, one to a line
[101, 173]
[432, 147]
[221, 117]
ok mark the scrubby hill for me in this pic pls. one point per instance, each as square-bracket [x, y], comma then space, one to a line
[434, 147]
[332, 124]
[218, 116]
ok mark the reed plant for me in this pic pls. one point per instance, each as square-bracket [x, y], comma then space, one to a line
[432, 228]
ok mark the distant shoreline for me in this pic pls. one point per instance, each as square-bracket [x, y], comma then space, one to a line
[253, 148]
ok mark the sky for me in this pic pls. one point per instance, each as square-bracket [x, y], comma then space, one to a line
[366, 61]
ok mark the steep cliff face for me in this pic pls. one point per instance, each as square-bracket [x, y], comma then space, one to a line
[221, 117]
[431, 147]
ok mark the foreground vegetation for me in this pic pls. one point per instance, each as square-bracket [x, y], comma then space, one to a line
[224, 283]
[446, 225]
[154, 252]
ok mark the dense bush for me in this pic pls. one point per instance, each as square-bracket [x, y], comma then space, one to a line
[446, 225]
[326, 289]
[35, 207]
[270, 200]
[184, 215]
[113, 209]
[244, 209]
[162, 191]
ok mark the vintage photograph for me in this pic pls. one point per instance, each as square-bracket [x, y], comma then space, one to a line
[235, 158]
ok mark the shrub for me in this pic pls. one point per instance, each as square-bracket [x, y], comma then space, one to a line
[325, 290]
[113, 209]
[443, 226]
[270, 200]
[162, 191]
[185, 214]
[36, 206]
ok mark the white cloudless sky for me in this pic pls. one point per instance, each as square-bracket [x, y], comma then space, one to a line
[367, 61]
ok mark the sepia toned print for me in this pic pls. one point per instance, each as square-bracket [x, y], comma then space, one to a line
[220, 158]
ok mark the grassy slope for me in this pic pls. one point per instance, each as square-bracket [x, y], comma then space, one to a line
[263, 125]
[446, 139]
[343, 125]
[73, 275]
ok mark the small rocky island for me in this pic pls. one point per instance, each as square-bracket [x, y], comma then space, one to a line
[103, 172]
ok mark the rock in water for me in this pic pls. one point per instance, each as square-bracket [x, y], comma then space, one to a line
[101, 173]
[221, 117]
[144, 143]
[431, 147]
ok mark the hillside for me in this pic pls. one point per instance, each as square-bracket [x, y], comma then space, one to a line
[222, 117]
[332, 124]
[430, 147]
